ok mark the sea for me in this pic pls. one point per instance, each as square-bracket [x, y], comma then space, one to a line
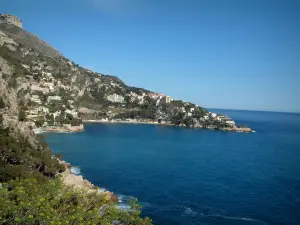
[195, 176]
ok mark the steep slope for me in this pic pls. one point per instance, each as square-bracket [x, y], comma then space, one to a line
[45, 89]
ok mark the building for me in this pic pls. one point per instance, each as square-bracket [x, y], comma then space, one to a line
[54, 98]
[50, 86]
[72, 112]
[36, 99]
[115, 98]
[213, 115]
[206, 117]
[168, 99]
[189, 114]
[43, 109]
[192, 109]
[230, 122]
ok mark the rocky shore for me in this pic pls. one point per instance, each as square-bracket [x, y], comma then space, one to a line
[77, 181]
[66, 128]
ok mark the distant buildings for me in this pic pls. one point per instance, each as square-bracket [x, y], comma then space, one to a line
[168, 99]
[155, 95]
[115, 98]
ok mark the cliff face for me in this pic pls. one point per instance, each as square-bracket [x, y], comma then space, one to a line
[42, 88]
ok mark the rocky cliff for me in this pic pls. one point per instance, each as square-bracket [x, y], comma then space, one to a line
[42, 88]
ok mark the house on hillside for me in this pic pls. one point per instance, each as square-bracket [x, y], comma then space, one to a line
[36, 99]
[115, 98]
[54, 98]
[168, 99]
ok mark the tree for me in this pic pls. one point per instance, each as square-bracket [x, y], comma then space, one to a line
[70, 116]
[22, 115]
[40, 122]
[2, 104]
[189, 122]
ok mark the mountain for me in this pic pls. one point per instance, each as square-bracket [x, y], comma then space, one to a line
[41, 87]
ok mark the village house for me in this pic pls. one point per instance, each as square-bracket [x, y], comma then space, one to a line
[43, 109]
[213, 115]
[72, 112]
[36, 99]
[230, 122]
[168, 99]
[54, 98]
[115, 98]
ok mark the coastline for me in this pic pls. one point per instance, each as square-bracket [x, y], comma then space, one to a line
[66, 128]
[69, 178]
[229, 129]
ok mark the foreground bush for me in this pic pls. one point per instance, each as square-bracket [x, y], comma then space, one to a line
[30, 202]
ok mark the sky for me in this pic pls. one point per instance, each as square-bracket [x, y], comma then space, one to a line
[229, 54]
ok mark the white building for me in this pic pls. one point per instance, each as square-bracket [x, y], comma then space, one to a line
[115, 98]
[54, 98]
[230, 122]
[50, 86]
[189, 114]
[72, 112]
[206, 117]
[36, 87]
[43, 109]
[36, 99]
[213, 115]
[192, 109]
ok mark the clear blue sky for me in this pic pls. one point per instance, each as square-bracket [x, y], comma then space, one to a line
[236, 54]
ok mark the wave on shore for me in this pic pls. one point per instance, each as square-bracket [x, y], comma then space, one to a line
[76, 170]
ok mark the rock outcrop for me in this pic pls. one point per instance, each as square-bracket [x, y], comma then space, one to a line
[10, 20]
[12, 27]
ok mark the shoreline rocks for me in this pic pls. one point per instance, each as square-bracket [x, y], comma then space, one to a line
[66, 128]
[77, 181]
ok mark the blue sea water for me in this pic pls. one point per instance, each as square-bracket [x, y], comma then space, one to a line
[196, 176]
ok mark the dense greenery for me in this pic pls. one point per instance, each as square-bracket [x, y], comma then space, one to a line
[30, 202]
[20, 159]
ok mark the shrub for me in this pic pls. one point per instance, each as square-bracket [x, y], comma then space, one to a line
[22, 115]
[27, 201]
